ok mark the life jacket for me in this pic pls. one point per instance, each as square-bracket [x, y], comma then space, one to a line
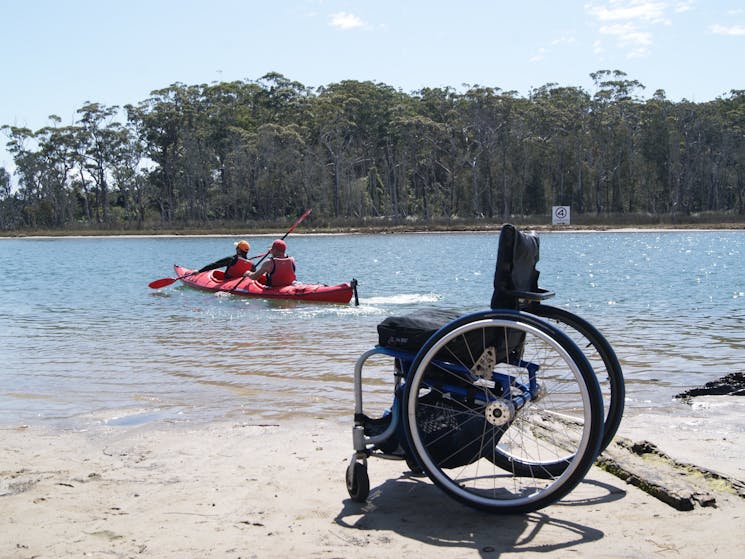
[283, 272]
[238, 268]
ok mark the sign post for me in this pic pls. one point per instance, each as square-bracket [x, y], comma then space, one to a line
[560, 215]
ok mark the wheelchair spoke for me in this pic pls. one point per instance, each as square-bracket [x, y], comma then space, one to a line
[474, 441]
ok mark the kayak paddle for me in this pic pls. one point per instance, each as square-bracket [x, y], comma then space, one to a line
[163, 282]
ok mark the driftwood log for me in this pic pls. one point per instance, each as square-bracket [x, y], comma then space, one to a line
[680, 485]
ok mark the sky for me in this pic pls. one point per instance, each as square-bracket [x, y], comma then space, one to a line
[56, 55]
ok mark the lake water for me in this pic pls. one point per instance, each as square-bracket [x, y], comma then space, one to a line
[84, 341]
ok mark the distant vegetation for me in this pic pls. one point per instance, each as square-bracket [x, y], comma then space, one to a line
[256, 153]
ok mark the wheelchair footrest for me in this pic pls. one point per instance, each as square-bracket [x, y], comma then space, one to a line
[377, 426]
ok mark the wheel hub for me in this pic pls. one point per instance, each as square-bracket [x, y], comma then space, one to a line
[500, 412]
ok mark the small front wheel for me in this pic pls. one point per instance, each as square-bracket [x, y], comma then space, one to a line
[358, 482]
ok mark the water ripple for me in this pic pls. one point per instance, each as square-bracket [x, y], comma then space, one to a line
[99, 346]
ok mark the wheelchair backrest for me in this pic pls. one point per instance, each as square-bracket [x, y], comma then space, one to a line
[515, 275]
[515, 279]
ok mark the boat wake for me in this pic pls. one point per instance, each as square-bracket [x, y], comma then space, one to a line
[403, 299]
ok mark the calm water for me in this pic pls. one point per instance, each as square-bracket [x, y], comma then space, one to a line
[84, 341]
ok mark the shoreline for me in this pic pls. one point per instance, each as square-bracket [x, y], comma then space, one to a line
[277, 489]
[381, 231]
[373, 229]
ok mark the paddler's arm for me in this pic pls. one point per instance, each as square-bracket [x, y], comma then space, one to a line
[217, 264]
[258, 272]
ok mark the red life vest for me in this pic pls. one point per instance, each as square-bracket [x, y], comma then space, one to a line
[240, 267]
[283, 272]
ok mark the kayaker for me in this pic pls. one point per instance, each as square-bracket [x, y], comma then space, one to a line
[236, 265]
[279, 268]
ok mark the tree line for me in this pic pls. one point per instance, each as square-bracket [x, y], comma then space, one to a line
[246, 152]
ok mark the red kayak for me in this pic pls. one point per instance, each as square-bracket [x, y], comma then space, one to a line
[214, 280]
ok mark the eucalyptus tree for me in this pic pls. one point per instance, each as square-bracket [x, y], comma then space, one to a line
[4, 184]
[533, 169]
[129, 176]
[279, 171]
[155, 122]
[198, 160]
[102, 143]
[273, 119]
[371, 108]
[9, 211]
[490, 131]
[683, 156]
[335, 128]
[658, 132]
[438, 156]
[477, 131]
[165, 123]
[614, 123]
[391, 173]
[352, 124]
[703, 176]
[231, 113]
[732, 111]
[280, 100]
[714, 193]
[44, 163]
[563, 113]
[28, 165]
[422, 140]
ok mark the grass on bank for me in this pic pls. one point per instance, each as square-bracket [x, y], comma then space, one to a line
[314, 224]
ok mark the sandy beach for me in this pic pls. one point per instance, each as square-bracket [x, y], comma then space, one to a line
[242, 490]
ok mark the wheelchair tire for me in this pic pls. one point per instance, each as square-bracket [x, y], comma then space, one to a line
[602, 358]
[467, 436]
[607, 369]
[358, 481]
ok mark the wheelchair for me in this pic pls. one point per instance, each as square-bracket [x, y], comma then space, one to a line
[504, 409]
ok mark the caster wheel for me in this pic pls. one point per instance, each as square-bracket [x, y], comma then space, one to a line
[358, 482]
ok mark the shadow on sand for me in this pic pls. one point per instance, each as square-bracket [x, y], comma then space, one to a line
[416, 509]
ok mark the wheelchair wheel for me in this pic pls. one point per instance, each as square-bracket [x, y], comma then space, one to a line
[503, 412]
[602, 358]
[358, 481]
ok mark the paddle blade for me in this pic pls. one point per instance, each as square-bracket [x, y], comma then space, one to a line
[299, 220]
[162, 282]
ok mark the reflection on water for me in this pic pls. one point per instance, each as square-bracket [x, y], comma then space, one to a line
[90, 343]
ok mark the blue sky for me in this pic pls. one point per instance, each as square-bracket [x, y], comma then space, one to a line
[58, 54]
